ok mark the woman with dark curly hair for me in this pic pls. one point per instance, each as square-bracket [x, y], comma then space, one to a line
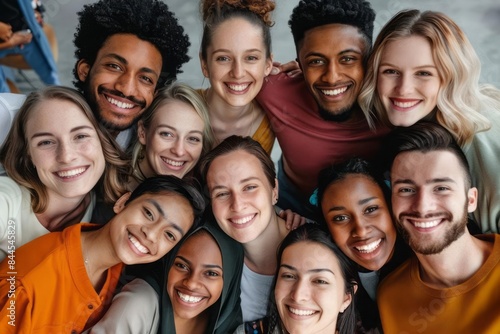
[237, 70]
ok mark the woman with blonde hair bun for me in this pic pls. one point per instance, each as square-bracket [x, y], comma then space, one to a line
[423, 67]
[236, 70]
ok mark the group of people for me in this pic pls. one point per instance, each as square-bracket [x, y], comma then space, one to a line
[166, 213]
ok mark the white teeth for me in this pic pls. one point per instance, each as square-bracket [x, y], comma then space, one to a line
[426, 224]
[137, 244]
[404, 104]
[72, 172]
[174, 163]
[119, 104]
[238, 88]
[242, 220]
[370, 247]
[301, 312]
[333, 92]
[188, 298]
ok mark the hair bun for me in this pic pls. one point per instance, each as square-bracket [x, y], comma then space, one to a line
[261, 8]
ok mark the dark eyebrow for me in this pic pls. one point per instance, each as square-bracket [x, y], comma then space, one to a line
[78, 128]
[435, 180]
[162, 213]
[316, 270]
[208, 266]
[366, 200]
[251, 178]
[124, 61]
[317, 54]
[360, 202]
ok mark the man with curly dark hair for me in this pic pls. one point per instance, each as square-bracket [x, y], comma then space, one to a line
[315, 115]
[125, 50]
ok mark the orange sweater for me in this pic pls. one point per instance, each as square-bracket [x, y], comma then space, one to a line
[48, 290]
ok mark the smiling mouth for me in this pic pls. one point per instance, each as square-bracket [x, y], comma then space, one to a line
[427, 224]
[173, 162]
[302, 313]
[372, 246]
[140, 247]
[189, 299]
[336, 91]
[244, 220]
[406, 104]
[66, 174]
[119, 104]
[238, 88]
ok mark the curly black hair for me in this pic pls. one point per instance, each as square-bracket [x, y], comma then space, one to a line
[310, 14]
[149, 20]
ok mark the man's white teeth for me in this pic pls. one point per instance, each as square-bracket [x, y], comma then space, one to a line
[427, 224]
[119, 103]
[137, 244]
[405, 104]
[173, 163]
[188, 298]
[72, 172]
[301, 312]
[333, 92]
[242, 220]
[370, 247]
[238, 88]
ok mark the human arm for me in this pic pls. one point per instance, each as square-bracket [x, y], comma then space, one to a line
[18, 38]
[135, 309]
[5, 31]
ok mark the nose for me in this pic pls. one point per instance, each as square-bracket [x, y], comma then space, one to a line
[300, 291]
[178, 147]
[65, 152]
[237, 202]
[404, 85]
[360, 228]
[152, 231]
[126, 84]
[331, 73]
[237, 70]
[191, 281]
[423, 202]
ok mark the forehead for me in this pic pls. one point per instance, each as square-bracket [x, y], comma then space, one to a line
[137, 52]
[307, 255]
[421, 168]
[233, 167]
[56, 114]
[202, 244]
[230, 34]
[353, 185]
[176, 112]
[332, 38]
[408, 50]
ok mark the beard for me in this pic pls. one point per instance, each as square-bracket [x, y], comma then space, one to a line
[454, 231]
[109, 125]
[340, 115]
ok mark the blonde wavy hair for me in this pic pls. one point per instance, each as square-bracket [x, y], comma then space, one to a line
[179, 92]
[19, 167]
[460, 98]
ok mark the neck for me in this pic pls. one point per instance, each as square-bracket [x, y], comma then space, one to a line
[257, 252]
[197, 325]
[63, 212]
[455, 264]
[98, 254]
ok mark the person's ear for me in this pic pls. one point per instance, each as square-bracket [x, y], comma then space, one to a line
[348, 298]
[269, 65]
[472, 199]
[82, 69]
[141, 132]
[204, 66]
[120, 203]
[275, 193]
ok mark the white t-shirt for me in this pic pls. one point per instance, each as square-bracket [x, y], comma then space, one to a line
[255, 290]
